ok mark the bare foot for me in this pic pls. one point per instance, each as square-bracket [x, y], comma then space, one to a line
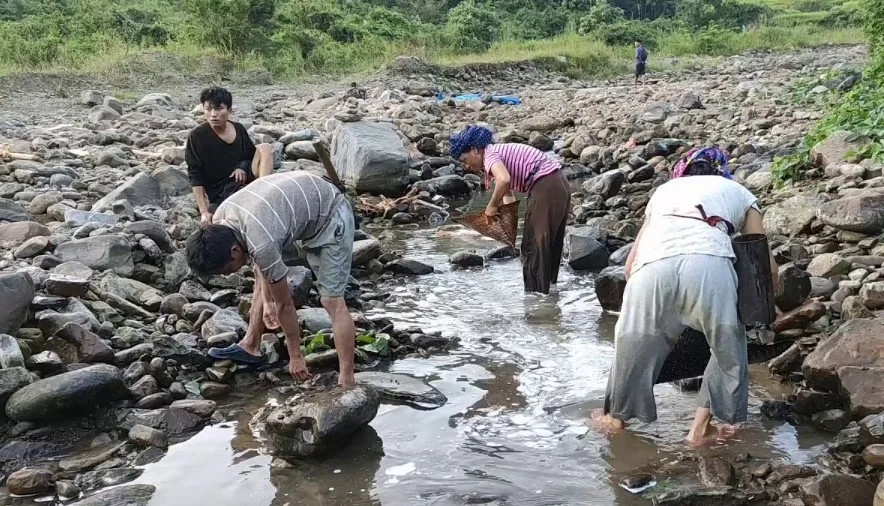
[346, 381]
[605, 424]
[713, 433]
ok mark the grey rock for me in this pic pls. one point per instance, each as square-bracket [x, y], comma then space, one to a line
[173, 182]
[32, 247]
[11, 211]
[67, 394]
[148, 436]
[320, 422]
[584, 251]
[17, 293]
[862, 213]
[101, 253]
[794, 287]
[314, 319]
[199, 407]
[143, 387]
[828, 265]
[300, 283]
[466, 259]
[76, 218]
[10, 353]
[837, 490]
[141, 190]
[15, 234]
[365, 250]
[172, 421]
[402, 389]
[223, 321]
[609, 287]
[150, 455]
[124, 495]
[301, 150]
[370, 157]
[409, 267]
[29, 481]
[792, 216]
[11, 380]
[90, 348]
[101, 113]
[606, 185]
[450, 185]
[154, 230]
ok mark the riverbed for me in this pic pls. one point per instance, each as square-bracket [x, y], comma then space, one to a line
[514, 430]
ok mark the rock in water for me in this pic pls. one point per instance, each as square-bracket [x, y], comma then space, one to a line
[67, 394]
[125, 495]
[856, 343]
[409, 267]
[466, 259]
[837, 490]
[29, 481]
[371, 157]
[399, 388]
[609, 287]
[320, 421]
[104, 252]
[16, 292]
[584, 250]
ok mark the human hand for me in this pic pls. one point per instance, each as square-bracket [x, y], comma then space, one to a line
[271, 315]
[206, 218]
[490, 211]
[298, 368]
[239, 176]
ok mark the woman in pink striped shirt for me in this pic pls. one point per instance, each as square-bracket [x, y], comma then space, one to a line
[523, 169]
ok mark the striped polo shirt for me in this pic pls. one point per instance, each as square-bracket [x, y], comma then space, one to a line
[273, 212]
[526, 164]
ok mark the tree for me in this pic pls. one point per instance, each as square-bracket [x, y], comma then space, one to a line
[471, 28]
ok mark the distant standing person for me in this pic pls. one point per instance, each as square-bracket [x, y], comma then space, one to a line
[641, 61]
[220, 156]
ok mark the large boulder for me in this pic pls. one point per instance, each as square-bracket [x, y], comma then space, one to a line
[402, 389]
[857, 343]
[173, 182]
[585, 249]
[320, 421]
[837, 490]
[67, 394]
[863, 213]
[609, 287]
[371, 157]
[606, 185]
[16, 292]
[141, 190]
[102, 253]
[124, 495]
[793, 215]
[15, 234]
[862, 390]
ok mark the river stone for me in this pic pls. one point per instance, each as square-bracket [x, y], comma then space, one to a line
[794, 287]
[10, 353]
[300, 284]
[67, 394]
[837, 490]
[857, 343]
[315, 319]
[860, 213]
[466, 259]
[199, 407]
[11, 211]
[154, 230]
[370, 157]
[619, 257]
[832, 420]
[872, 295]
[862, 389]
[450, 185]
[828, 265]
[584, 250]
[124, 495]
[12, 379]
[873, 455]
[301, 150]
[792, 216]
[17, 293]
[400, 388]
[609, 287]
[717, 472]
[835, 150]
[409, 267]
[14, 234]
[148, 436]
[365, 250]
[144, 386]
[90, 348]
[808, 402]
[104, 252]
[133, 291]
[179, 350]
[606, 185]
[141, 190]
[172, 421]
[101, 478]
[320, 421]
[540, 123]
[223, 321]
[29, 481]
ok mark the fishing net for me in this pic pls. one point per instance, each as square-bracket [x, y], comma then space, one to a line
[502, 227]
[690, 355]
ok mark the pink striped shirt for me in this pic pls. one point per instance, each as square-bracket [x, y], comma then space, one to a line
[525, 164]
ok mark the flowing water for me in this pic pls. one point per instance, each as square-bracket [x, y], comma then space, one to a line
[514, 431]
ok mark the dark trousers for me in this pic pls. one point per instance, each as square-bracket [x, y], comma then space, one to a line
[544, 235]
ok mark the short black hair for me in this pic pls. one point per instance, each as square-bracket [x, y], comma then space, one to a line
[639, 41]
[208, 249]
[216, 96]
[701, 168]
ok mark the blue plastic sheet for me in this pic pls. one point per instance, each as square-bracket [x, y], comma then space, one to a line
[501, 99]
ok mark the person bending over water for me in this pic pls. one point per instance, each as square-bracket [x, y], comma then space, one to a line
[260, 222]
[524, 169]
[680, 274]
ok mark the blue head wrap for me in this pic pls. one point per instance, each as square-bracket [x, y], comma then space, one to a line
[472, 137]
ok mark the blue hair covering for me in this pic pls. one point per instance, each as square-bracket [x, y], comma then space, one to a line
[472, 137]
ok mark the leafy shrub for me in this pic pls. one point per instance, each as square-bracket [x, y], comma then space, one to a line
[843, 16]
[471, 28]
[627, 32]
[814, 5]
[602, 13]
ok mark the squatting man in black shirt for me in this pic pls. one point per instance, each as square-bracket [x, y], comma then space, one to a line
[220, 156]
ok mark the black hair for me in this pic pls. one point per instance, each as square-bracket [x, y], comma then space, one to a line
[208, 249]
[353, 85]
[701, 168]
[216, 97]
[639, 41]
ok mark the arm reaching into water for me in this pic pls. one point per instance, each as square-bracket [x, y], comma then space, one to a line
[501, 187]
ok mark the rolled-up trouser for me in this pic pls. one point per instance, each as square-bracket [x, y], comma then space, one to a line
[544, 234]
[661, 299]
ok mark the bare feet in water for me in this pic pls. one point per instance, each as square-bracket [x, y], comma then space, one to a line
[712, 434]
[606, 424]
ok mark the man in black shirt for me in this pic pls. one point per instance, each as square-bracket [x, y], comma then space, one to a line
[220, 156]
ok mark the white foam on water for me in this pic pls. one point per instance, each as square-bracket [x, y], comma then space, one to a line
[402, 470]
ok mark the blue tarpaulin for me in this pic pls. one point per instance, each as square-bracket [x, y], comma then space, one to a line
[502, 99]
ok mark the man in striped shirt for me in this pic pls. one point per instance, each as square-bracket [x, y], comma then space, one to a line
[260, 222]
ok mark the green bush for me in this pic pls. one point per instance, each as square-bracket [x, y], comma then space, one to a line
[627, 32]
[814, 5]
[601, 14]
[843, 16]
[471, 28]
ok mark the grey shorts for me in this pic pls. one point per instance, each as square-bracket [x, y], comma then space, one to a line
[330, 251]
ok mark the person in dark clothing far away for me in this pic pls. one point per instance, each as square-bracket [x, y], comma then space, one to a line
[641, 60]
[220, 156]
